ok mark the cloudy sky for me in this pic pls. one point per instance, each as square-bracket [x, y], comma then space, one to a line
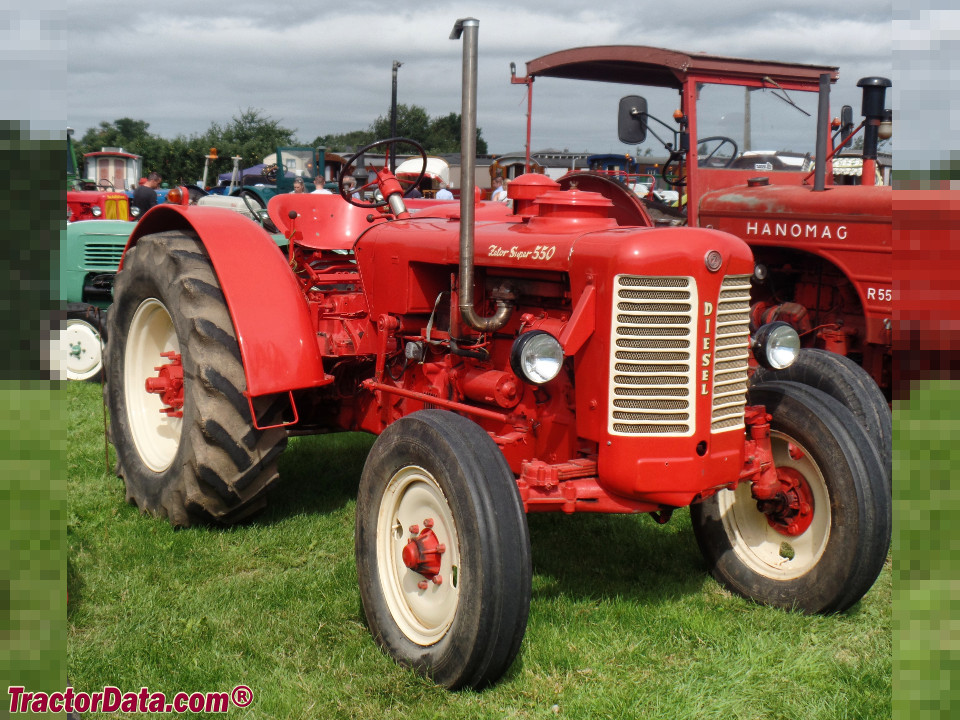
[321, 67]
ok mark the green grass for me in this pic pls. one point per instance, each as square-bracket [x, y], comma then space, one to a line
[624, 622]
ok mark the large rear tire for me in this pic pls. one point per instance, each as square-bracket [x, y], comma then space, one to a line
[835, 560]
[439, 471]
[211, 463]
[842, 379]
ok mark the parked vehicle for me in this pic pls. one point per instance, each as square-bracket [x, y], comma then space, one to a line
[823, 258]
[88, 201]
[562, 356]
[90, 253]
[276, 177]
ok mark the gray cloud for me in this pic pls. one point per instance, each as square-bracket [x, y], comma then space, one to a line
[321, 68]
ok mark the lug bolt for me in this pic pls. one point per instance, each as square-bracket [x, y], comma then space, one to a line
[437, 580]
[423, 584]
[414, 529]
[441, 548]
[795, 452]
[428, 523]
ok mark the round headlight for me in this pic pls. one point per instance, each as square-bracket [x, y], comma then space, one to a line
[134, 211]
[96, 210]
[536, 356]
[776, 345]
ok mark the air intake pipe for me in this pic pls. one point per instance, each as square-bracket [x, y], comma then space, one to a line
[874, 94]
[469, 28]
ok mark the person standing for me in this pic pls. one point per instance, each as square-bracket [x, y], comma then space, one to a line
[498, 193]
[298, 185]
[444, 192]
[350, 186]
[145, 196]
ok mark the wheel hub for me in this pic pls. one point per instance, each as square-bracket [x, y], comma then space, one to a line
[168, 384]
[790, 510]
[422, 553]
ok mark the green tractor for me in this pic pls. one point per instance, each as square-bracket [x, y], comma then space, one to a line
[89, 255]
[279, 172]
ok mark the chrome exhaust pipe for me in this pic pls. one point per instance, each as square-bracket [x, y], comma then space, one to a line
[469, 29]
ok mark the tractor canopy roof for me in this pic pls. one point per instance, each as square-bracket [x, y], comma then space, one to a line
[641, 65]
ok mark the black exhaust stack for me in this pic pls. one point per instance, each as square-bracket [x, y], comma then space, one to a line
[874, 98]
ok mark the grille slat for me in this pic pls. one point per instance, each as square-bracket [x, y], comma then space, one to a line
[658, 392]
[652, 356]
[655, 307]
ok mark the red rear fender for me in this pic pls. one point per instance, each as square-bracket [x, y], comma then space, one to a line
[270, 317]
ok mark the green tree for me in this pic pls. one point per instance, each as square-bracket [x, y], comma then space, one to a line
[412, 122]
[444, 135]
[346, 142]
[438, 135]
[252, 135]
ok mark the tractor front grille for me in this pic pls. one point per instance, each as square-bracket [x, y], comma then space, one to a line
[102, 255]
[116, 207]
[731, 354]
[652, 377]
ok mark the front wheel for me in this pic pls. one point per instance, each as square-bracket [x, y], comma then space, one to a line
[851, 385]
[81, 342]
[827, 551]
[443, 553]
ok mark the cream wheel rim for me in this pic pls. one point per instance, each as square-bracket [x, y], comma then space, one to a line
[82, 355]
[155, 434]
[423, 614]
[759, 546]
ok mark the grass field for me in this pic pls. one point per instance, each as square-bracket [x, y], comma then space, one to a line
[624, 621]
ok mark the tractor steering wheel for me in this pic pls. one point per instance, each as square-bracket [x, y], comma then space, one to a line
[721, 140]
[380, 182]
[676, 179]
[105, 184]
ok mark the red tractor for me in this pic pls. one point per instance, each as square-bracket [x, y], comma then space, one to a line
[560, 356]
[87, 200]
[744, 157]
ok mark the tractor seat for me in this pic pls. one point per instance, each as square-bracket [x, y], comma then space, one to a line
[323, 222]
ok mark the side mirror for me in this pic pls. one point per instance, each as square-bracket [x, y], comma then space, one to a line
[846, 121]
[632, 120]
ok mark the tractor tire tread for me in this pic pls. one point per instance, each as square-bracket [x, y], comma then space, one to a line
[227, 465]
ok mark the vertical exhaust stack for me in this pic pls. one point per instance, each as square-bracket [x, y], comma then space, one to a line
[823, 129]
[874, 94]
[469, 28]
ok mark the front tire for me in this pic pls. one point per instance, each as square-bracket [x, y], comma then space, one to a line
[842, 379]
[835, 560]
[192, 454]
[437, 471]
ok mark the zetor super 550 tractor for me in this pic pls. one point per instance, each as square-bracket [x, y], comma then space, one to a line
[548, 358]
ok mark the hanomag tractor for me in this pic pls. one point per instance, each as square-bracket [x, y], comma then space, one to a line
[549, 358]
[744, 144]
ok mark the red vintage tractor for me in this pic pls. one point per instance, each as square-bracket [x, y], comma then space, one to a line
[559, 356]
[744, 157]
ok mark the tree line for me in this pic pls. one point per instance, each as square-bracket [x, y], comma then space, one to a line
[253, 135]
